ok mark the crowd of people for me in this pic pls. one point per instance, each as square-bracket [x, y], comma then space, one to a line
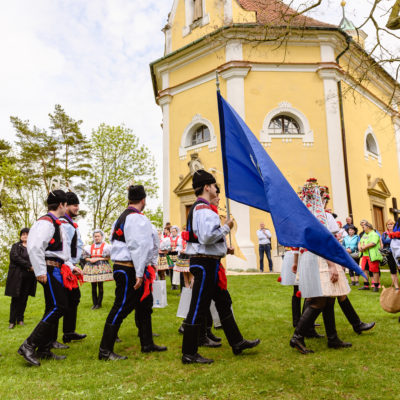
[52, 253]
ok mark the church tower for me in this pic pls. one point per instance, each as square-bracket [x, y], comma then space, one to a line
[280, 72]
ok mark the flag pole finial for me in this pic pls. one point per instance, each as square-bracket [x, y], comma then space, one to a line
[217, 80]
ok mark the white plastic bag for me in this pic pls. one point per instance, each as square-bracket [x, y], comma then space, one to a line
[160, 294]
[184, 303]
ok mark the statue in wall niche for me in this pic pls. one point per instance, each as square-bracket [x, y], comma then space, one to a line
[197, 10]
[195, 164]
[394, 18]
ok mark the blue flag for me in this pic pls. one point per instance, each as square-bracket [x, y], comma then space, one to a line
[252, 178]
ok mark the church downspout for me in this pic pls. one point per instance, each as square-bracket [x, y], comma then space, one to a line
[343, 131]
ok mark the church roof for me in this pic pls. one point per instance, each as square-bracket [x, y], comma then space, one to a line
[276, 12]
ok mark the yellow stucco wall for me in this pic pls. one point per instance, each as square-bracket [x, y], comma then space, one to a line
[206, 63]
[360, 113]
[286, 53]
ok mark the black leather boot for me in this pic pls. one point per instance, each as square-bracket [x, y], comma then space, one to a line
[328, 313]
[311, 332]
[296, 310]
[55, 344]
[353, 317]
[212, 337]
[146, 336]
[204, 340]
[44, 352]
[235, 338]
[106, 350]
[306, 322]
[41, 335]
[69, 337]
[190, 346]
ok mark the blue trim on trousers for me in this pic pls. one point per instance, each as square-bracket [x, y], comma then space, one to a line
[126, 290]
[54, 299]
[201, 290]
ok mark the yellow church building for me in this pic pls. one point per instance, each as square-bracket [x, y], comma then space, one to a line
[305, 88]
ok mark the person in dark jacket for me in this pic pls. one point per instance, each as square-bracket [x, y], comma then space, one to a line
[21, 281]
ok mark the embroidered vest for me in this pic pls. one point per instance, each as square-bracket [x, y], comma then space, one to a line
[191, 237]
[74, 241]
[118, 232]
[55, 243]
[97, 251]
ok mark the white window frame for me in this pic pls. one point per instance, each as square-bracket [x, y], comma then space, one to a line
[285, 108]
[189, 11]
[197, 121]
[368, 154]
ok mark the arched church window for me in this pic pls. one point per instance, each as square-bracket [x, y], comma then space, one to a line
[284, 125]
[371, 145]
[201, 134]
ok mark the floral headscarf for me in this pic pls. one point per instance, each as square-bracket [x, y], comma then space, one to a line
[314, 198]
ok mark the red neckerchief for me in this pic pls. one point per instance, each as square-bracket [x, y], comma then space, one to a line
[148, 279]
[69, 279]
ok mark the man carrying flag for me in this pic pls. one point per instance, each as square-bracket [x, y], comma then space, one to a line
[206, 246]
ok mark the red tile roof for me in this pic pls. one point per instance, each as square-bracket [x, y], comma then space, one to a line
[275, 12]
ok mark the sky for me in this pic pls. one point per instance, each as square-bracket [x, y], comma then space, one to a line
[92, 57]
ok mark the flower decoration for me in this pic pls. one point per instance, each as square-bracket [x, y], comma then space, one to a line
[119, 232]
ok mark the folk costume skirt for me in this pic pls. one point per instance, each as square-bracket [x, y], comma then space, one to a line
[99, 271]
[162, 263]
[182, 263]
[288, 278]
[314, 278]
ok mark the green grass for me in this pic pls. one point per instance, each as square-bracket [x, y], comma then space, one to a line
[368, 370]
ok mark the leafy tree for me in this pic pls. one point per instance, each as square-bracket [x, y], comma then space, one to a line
[73, 148]
[62, 153]
[118, 160]
[155, 216]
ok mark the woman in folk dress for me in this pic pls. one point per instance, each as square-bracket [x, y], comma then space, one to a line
[165, 246]
[97, 268]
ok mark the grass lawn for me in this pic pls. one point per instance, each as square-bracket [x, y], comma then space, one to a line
[368, 370]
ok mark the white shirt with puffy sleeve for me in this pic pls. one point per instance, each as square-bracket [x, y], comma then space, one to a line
[138, 245]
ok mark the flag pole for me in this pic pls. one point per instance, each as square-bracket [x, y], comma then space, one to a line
[228, 211]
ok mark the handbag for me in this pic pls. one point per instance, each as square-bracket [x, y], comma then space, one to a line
[355, 255]
[390, 299]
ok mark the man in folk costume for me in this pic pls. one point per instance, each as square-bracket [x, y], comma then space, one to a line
[50, 257]
[97, 267]
[223, 304]
[206, 246]
[74, 241]
[132, 251]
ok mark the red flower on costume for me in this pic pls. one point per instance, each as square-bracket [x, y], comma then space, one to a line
[52, 241]
[394, 235]
[119, 232]
[75, 225]
[58, 222]
[185, 235]
[298, 294]
[280, 279]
